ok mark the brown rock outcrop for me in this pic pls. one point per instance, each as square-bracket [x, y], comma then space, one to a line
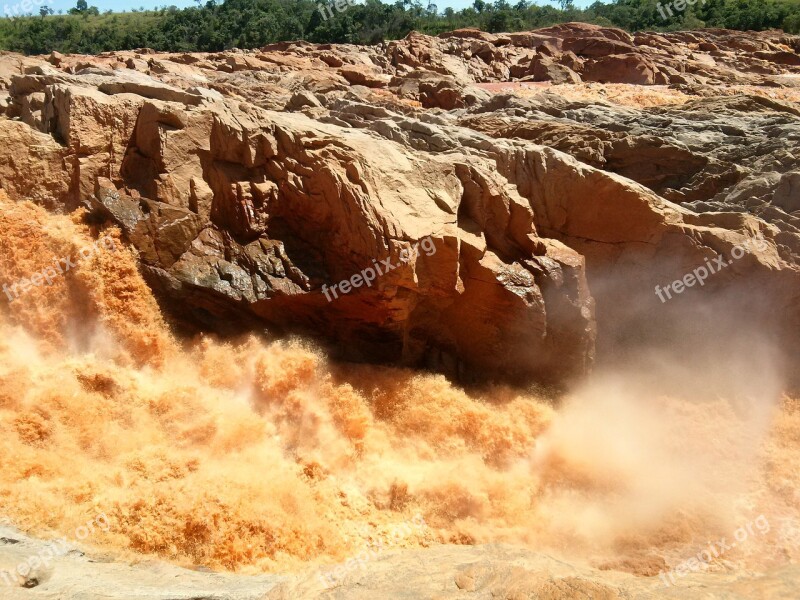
[620, 68]
[245, 215]
[249, 213]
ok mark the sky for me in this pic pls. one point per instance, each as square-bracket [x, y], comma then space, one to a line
[11, 7]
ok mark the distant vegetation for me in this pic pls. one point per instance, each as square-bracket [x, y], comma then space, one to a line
[253, 23]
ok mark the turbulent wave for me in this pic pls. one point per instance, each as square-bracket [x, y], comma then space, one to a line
[256, 455]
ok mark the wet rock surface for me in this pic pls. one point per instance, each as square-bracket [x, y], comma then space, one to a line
[447, 572]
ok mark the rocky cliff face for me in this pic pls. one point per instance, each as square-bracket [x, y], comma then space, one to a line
[551, 177]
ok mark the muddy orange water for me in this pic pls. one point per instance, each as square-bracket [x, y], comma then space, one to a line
[260, 456]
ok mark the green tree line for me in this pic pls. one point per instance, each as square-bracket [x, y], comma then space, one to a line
[253, 23]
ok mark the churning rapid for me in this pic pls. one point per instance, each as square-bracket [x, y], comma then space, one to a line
[263, 456]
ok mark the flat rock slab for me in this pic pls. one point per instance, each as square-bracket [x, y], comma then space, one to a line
[442, 572]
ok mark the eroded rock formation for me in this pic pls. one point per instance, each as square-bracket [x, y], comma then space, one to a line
[248, 180]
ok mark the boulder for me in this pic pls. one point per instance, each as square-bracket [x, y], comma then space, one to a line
[620, 68]
[363, 75]
[441, 93]
[544, 68]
